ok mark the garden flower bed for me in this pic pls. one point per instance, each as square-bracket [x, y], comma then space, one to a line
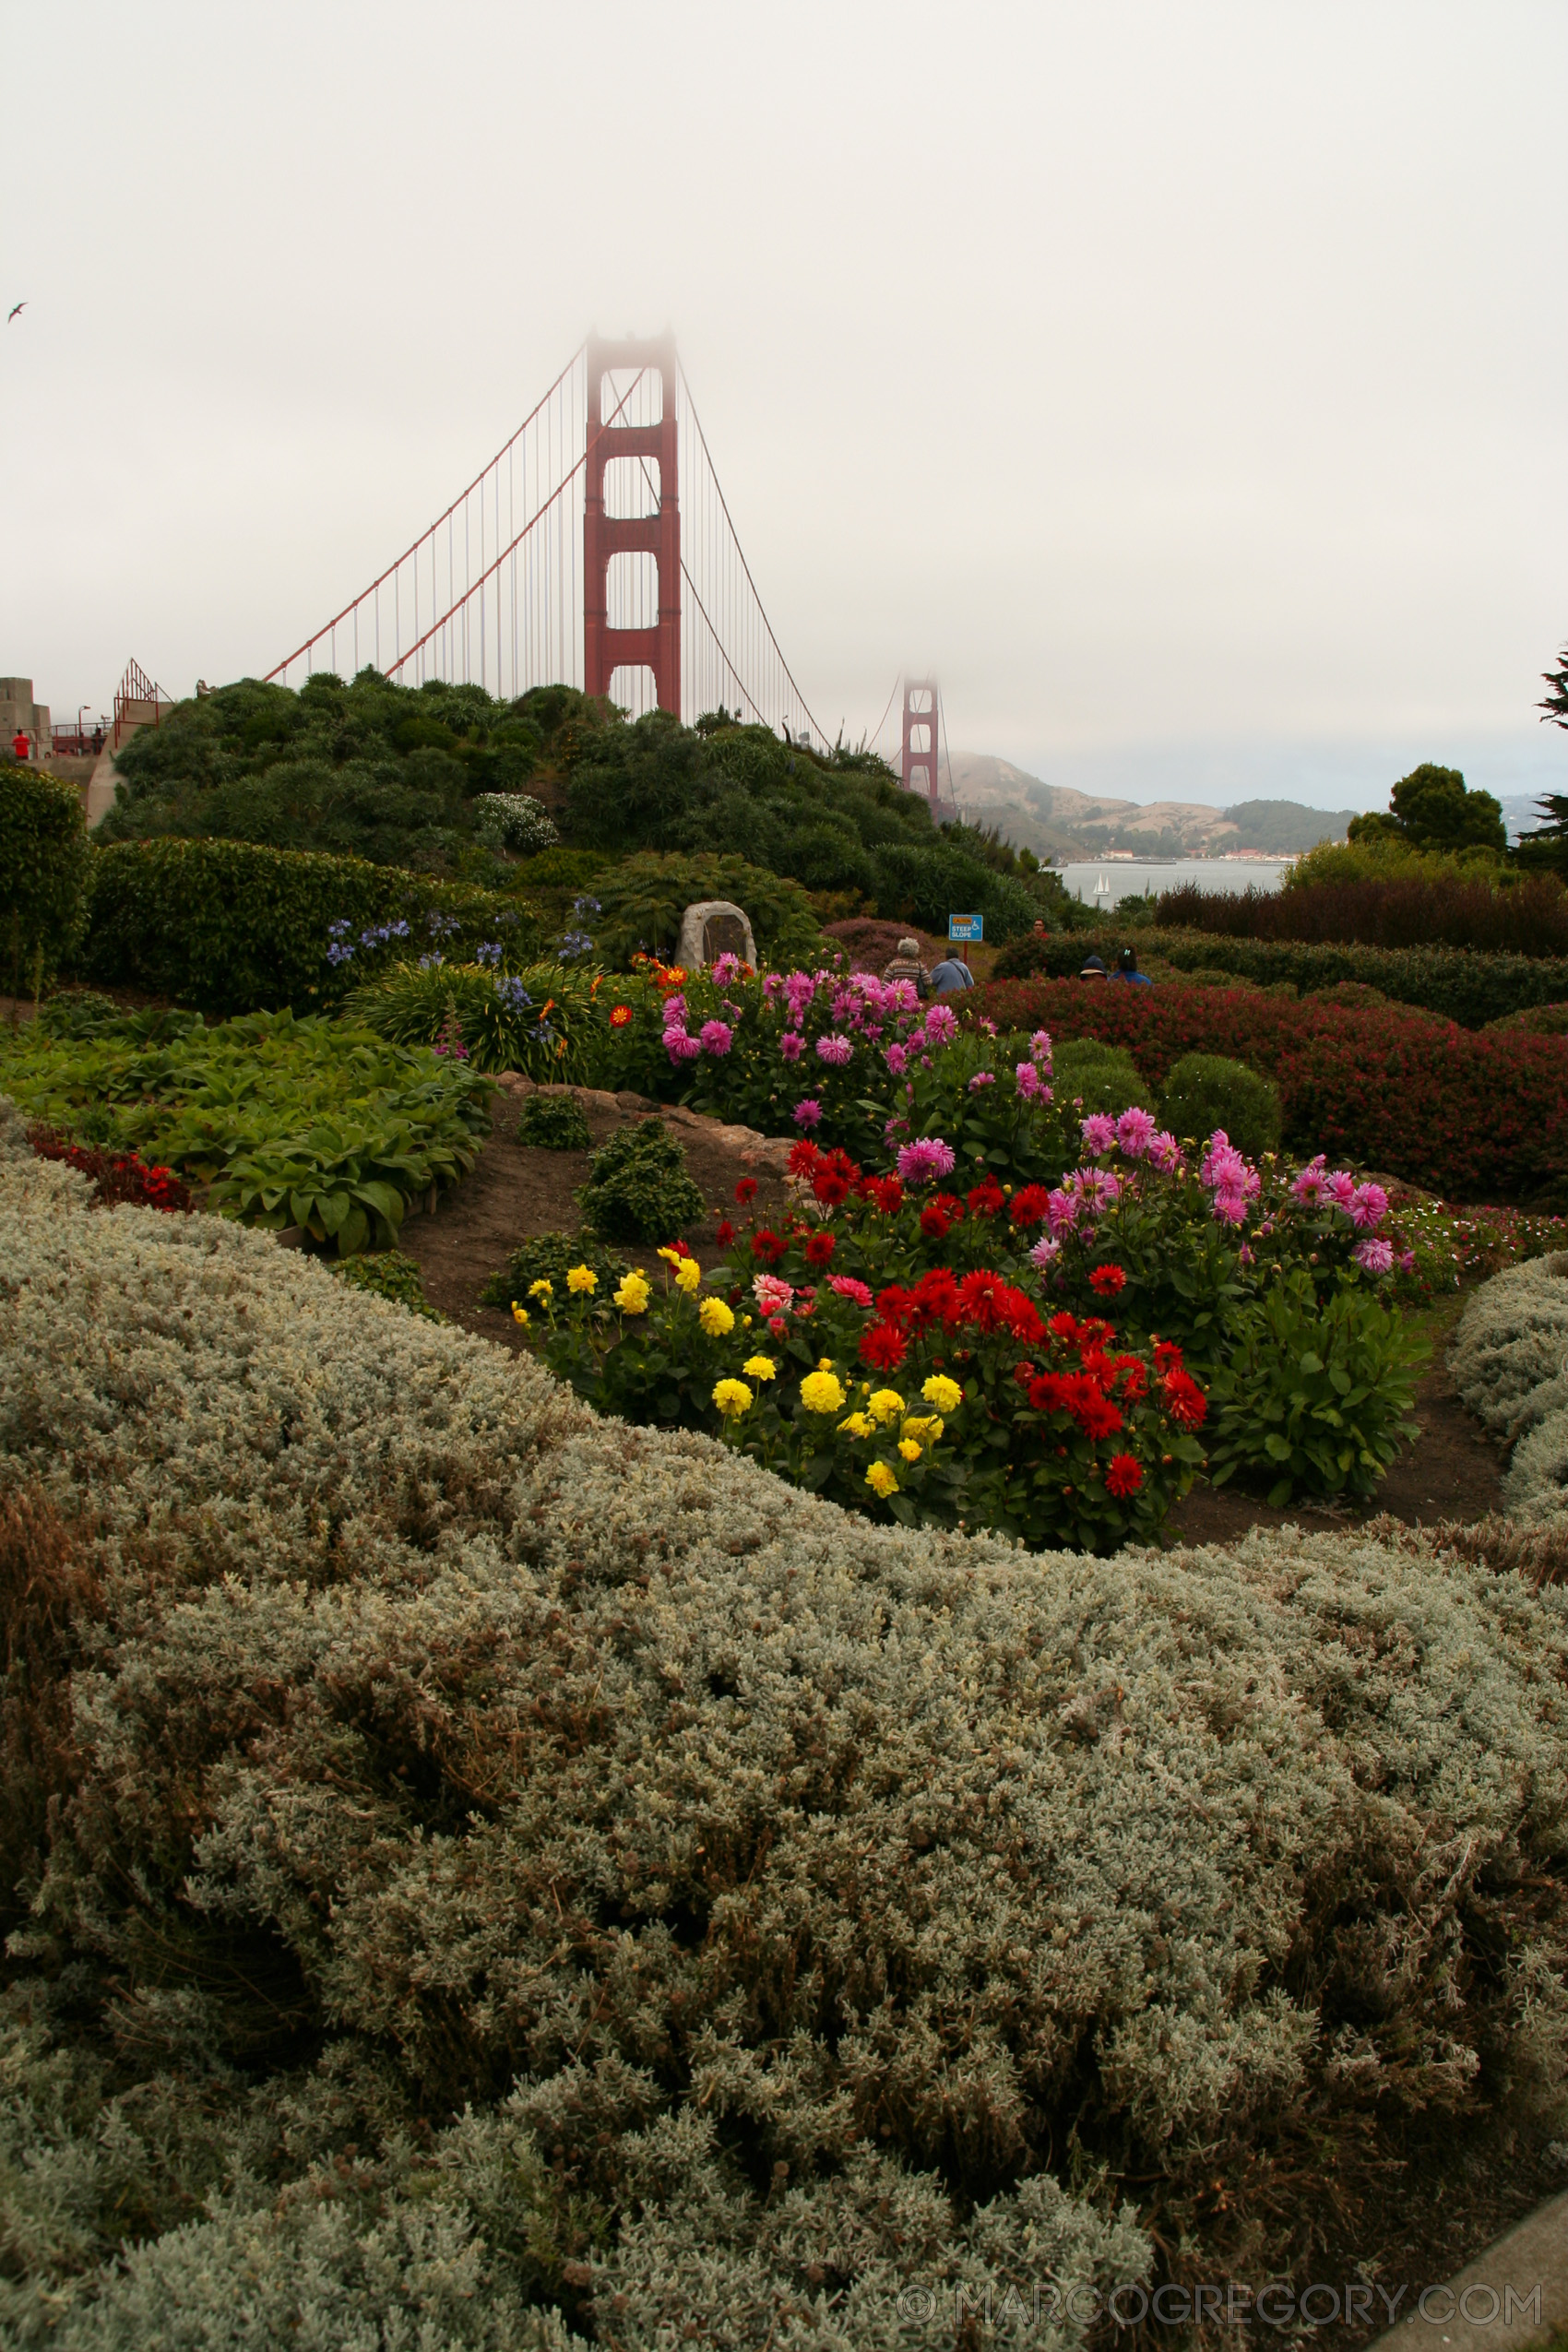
[495, 1863]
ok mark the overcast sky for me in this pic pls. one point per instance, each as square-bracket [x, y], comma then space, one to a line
[1186, 385]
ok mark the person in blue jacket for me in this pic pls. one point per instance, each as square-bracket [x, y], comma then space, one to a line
[1127, 968]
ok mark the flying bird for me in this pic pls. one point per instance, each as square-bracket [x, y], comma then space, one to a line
[15, 312]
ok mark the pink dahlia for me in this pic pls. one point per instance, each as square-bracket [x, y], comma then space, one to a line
[773, 1296]
[1374, 1255]
[1099, 1134]
[1134, 1132]
[833, 1048]
[716, 1038]
[858, 1293]
[929, 1157]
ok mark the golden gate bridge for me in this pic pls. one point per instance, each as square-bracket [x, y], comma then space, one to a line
[597, 550]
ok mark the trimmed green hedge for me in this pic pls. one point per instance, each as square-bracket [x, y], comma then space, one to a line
[230, 927]
[1462, 984]
[43, 873]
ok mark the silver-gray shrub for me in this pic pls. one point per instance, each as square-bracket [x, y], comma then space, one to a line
[1510, 1364]
[501, 1861]
[514, 821]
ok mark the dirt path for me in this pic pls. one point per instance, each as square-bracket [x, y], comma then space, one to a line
[520, 1189]
[1454, 1471]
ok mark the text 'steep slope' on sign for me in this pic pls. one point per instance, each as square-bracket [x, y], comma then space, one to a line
[967, 927]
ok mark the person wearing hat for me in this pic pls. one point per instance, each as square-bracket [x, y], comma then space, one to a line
[907, 965]
[1092, 968]
[1127, 968]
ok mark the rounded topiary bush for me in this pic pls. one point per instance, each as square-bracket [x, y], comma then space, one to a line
[554, 1121]
[1206, 1091]
[1102, 1076]
[473, 1860]
[637, 1188]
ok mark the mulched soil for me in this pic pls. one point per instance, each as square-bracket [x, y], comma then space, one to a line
[1453, 1472]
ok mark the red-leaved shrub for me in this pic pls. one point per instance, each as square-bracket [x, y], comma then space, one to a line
[1472, 1115]
[118, 1178]
[1531, 919]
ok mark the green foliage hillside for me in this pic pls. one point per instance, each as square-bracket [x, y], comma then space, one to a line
[393, 774]
[374, 769]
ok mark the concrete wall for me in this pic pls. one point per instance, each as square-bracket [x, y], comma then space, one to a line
[17, 709]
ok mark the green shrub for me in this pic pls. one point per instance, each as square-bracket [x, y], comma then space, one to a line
[1465, 984]
[542, 1021]
[1536, 1020]
[547, 1257]
[388, 1274]
[514, 821]
[925, 884]
[1205, 1091]
[1101, 1076]
[45, 868]
[233, 928]
[555, 1122]
[638, 1189]
[1315, 1395]
[641, 903]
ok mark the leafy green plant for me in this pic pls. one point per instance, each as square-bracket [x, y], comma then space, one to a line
[553, 1122]
[1206, 1091]
[388, 1274]
[543, 1020]
[287, 1122]
[548, 1257]
[46, 868]
[637, 1188]
[1316, 1393]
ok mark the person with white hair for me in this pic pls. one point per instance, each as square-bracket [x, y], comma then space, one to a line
[907, 964]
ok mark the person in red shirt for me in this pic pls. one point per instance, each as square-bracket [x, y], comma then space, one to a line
[20, 746]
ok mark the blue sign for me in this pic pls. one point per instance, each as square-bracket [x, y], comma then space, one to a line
[971, 927]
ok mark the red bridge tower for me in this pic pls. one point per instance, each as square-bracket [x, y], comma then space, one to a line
[658, 533]
[919, 737]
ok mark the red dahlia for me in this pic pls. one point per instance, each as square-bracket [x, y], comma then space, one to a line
[1123, 1477]
[882, 1346]
[819, 1249]
[746, 1190]
[1184, 1400]
[1107, 1280]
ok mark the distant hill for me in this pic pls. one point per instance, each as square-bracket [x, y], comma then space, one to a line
[1285, 826]
[1054, 821]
